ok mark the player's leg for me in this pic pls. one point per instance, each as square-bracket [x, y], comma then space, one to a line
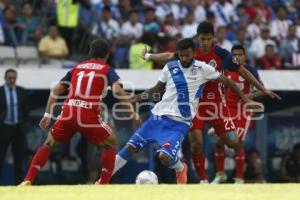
[40, 159]
[170, 139]
[62, 132]
[138, 140]
[242, 129]
[220, 161]
[198, 156]
[176, 164]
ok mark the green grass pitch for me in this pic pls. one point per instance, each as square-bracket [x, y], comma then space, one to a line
[154, 192]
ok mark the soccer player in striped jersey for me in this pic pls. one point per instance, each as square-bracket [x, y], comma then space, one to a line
[183, 82]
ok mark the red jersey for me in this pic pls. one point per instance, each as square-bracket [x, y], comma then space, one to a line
[88, 82]
[231, 98]
[222, 60]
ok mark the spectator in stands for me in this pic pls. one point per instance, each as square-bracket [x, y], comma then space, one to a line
[221, 38]
[107, 27]
[170, 28]
[125, 9]
[133, 28]
[253, 30]
[224, 12]
[254, 169]
[293, 60]
[99, 6]
[290, 171]
[258, 46]
[197, 7]
[166, 8]
[150, 23]
[13, 31]
[259, 8]
[240, 39]
[53, 46]
[135, 60]
[280, 26]
[32, 29]
[13, 117]
[189, 28]
[289, 45]
[241, 15]
[270, 60]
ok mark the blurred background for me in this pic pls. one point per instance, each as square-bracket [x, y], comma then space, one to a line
[43, 39]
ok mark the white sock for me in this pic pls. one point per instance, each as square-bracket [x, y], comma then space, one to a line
[178, 166]
[119, 163]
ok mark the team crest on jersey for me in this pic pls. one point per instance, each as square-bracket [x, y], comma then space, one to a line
[241, 79]
[175, 70]
[213, 63]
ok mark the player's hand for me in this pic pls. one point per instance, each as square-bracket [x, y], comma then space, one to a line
[134, 99]
[137, 119]
[272, 94]
[254, 105]
[45, 123]
[144, 51]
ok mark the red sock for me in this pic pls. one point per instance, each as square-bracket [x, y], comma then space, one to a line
[240, 162]
[220, 158]
[39, 160]
[107, 162]
[199, 164]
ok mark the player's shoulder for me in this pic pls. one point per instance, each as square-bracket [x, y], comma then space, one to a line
[221, 52]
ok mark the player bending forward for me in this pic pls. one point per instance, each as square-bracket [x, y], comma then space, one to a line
[86, 83]
[183, 81]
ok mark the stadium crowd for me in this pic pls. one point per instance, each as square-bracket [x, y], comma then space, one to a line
[62, 29]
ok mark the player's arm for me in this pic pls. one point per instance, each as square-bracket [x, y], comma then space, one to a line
[158, 57]
[231, 85]
[124, 98]
[151, 93]
[252, 80]
[59, 89]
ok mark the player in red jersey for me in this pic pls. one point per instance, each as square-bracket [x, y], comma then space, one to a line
[240, 116]
[86, 83]
[212, 109]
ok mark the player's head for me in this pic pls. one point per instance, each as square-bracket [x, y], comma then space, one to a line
[99, 49]
[205, 34]
[238, 51]
[10, 77]
[185, 49]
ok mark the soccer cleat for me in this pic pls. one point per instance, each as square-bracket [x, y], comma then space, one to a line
[220, 178]
[25, 183]
[239, 181]
[181, 177]
[98, 182]
[204, 181]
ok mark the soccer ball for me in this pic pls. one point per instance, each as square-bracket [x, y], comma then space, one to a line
[146, 177]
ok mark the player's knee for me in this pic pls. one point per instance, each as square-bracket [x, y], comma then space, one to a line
[50, 143]
[164, 158]
[111, 142]
[196, 147]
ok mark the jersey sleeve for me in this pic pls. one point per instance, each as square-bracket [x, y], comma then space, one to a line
[163, 77]
[228, 61]
[112, 77]
[210, 72]
[67, 77]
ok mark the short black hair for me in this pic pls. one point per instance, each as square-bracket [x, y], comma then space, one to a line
[205, 28]
[10, 70]
[99, 48]
[185, 43]
[238, 47]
